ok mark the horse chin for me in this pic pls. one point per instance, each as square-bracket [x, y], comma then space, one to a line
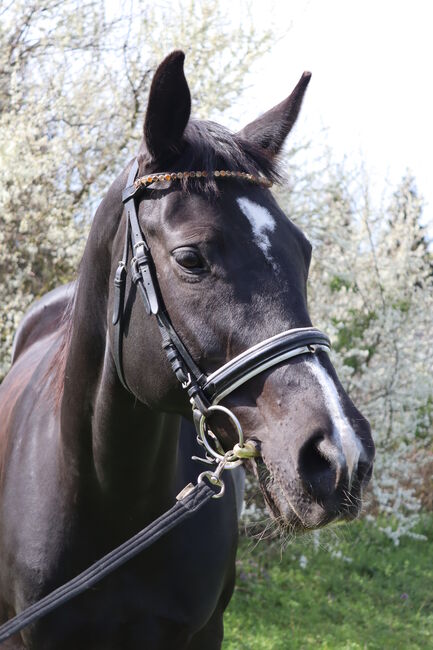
[293, 510]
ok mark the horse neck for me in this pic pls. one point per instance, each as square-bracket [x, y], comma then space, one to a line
[114, 447]
[134, 448]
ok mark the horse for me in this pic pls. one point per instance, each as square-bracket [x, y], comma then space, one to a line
[96, 433]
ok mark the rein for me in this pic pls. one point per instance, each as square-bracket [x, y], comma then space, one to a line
[204, 392]
[187, 504]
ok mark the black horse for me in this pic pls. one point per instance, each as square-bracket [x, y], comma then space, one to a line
[86, 463]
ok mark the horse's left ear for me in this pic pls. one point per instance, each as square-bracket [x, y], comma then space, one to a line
[271, 129]
[168, 108]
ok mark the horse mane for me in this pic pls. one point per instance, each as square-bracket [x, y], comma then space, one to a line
[57, 367]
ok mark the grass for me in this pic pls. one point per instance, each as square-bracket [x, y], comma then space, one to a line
[382, 599]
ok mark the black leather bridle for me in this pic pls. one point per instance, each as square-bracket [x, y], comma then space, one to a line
[204, 391]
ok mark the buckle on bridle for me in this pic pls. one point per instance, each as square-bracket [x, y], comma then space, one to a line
[187, 383]
[120, 275]
[141, 244]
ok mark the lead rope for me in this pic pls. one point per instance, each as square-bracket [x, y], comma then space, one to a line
[189, 501]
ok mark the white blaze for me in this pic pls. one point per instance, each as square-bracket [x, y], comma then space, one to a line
[262, 223]
[342, 429]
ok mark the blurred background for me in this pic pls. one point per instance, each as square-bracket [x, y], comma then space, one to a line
[74, 78]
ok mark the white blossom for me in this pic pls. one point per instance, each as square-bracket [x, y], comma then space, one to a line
[371, 289]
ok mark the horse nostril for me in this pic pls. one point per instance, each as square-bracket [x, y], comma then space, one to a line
[364, 472]
[316, 468]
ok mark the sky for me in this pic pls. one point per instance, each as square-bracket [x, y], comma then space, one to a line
[372, 83]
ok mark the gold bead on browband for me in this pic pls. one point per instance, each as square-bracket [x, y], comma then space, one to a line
[144, 181]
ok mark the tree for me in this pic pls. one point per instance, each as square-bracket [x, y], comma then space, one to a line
[73, 85]
[406, 207]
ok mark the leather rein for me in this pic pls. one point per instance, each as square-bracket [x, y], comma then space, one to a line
[204, 391]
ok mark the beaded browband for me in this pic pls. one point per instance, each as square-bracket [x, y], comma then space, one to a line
[144, 181]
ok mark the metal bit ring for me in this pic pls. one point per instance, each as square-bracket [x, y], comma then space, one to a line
[203, 430]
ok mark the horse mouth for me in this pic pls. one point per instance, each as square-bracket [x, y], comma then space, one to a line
[287, 518]
[294, 510]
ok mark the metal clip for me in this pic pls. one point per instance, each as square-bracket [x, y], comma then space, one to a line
[214, 478]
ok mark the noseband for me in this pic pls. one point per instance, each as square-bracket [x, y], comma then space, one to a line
[204, 391]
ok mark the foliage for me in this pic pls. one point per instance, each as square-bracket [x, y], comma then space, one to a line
[74, 77]
[368, 594]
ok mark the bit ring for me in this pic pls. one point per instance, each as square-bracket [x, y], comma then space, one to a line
[203, 430]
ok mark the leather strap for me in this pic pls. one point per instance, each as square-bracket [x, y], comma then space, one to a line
[142, 274]
[119, 293]
[140, 263]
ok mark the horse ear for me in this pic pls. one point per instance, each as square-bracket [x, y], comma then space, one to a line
[168, 108]
[271, 129]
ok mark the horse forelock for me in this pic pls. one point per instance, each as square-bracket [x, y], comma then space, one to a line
[57, 368]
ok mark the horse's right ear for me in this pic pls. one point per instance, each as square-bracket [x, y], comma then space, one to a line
[168, 108]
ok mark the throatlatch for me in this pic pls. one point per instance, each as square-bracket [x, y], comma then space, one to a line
[204, 391]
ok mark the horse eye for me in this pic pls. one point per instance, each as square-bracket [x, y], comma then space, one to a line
[189, 259]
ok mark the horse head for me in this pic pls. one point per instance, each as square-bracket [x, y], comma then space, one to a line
[231, 271]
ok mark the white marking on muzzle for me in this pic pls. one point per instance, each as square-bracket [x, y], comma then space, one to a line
[262, 223]
[342, 429]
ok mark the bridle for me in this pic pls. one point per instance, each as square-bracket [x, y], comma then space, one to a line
[204, 391]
